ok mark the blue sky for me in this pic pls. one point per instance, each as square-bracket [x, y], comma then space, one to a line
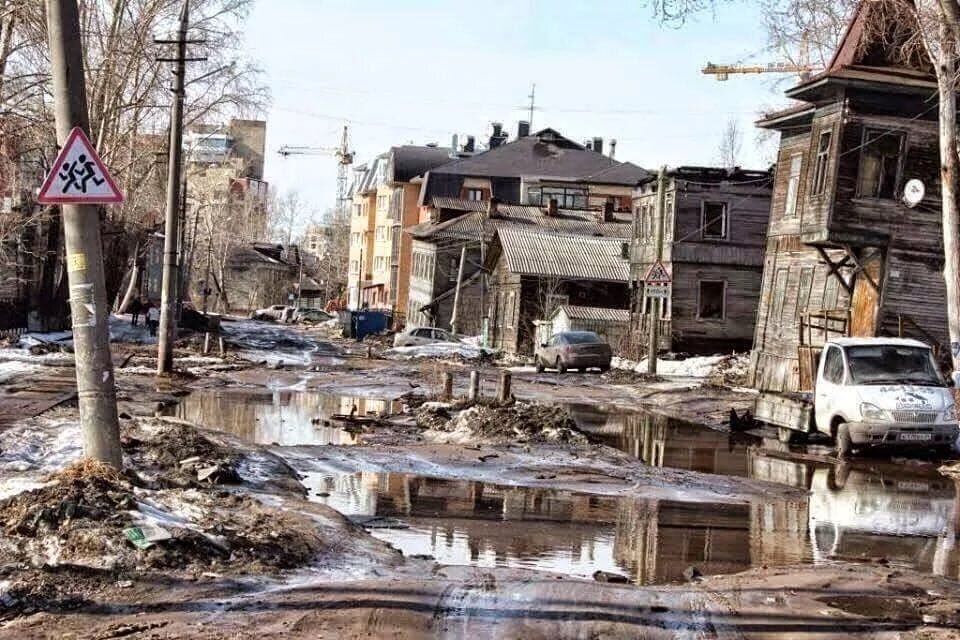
[402, 72]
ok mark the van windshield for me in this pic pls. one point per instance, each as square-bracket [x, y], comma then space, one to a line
[890, 364]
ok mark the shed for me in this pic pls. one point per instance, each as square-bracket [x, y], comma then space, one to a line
[612, 325]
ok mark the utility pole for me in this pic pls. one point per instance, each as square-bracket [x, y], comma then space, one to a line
[456, 294]
[96, 391]
[657, 303]
[533, 98]
[169, 294]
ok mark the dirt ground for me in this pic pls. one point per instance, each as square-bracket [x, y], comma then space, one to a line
[251, 557]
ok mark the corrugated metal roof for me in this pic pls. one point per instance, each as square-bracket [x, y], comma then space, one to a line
[556, 255]
[599, 314]
[567, 221]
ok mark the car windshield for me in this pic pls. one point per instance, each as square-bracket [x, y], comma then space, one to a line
[890, 364]
[581, 337]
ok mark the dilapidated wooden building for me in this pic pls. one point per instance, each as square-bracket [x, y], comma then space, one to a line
[715, 225]
[846, 255]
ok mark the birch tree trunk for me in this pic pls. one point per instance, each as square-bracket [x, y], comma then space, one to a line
[946, 66]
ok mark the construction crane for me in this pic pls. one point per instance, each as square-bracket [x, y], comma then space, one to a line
[723, 71]
[344, 157]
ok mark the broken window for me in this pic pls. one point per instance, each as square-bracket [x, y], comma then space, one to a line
[880, 164]
[713, 221]
[820, 169]
[779, 294]
[793, 185]
[803, 293]
[711, 304]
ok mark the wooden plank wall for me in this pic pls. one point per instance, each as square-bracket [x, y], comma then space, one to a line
[742, 294]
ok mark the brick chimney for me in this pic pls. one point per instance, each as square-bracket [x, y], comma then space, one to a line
[598, 145]
[552, 207]
[493, 207]
[613, 148]
[498, 137]
[607, 214]
[470, 145]
[523, 129]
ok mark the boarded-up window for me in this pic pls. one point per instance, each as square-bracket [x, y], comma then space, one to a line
[793, 185]
[712, 300]
[831, 292]
[779, 294]
[803, 291]
[880, 164]
[453, 269]
[819, 183]
[713, 221]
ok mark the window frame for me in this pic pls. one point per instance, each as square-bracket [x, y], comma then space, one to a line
[724, 220]
[779, 301]
[843, 365]
[821, 165]
[793, 186]
[723, 299]
[865, 144]
[471, 192]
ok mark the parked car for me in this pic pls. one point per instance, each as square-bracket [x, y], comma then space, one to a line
[413, 336]
[312, 315]
[276, 313]
[574, 350]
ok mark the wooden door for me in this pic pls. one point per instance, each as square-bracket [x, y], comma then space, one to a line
[865, 302]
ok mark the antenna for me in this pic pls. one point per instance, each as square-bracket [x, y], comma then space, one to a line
[533, 98]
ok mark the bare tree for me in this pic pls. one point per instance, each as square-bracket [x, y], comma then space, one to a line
[287, 214]
[731, 144]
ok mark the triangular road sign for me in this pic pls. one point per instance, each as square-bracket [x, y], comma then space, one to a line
[78, 176]
[657, 274]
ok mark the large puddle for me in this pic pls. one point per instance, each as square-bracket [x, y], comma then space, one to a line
[902, 511]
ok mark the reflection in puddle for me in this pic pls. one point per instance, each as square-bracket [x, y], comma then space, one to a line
[653, 541]
[287, 418]
[866, 509]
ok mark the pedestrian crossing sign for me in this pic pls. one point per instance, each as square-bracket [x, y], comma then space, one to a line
[78, 176]
[657, 274]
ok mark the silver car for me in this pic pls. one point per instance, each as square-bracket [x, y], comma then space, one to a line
[413, 336]
[574, 350]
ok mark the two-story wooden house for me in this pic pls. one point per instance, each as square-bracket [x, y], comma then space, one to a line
[714, 227]
[846, 256]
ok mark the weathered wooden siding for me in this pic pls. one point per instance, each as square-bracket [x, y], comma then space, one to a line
[735, 329]
[780, 223]
[815, 209]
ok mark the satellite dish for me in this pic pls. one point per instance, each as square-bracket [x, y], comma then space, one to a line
[913, 192]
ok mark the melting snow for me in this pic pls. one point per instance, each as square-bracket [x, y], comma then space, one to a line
[436, 350]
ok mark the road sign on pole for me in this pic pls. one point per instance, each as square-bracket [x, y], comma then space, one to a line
[658, 274]
[78, 176]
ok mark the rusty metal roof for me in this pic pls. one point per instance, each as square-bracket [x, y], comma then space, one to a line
[557, 255]
[598, 314]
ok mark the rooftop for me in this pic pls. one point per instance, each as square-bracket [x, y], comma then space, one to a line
[575, 312]
[556, 255]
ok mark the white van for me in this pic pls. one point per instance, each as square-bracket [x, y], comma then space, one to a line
[883, 391]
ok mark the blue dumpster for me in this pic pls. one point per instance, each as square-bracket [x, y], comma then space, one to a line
[360, 324]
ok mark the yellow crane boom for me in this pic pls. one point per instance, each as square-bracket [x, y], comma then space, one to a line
[723, 71]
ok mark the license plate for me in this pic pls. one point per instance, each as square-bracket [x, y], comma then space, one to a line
[916, 436]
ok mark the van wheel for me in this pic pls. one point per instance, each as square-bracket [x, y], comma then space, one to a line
[844, 444]
[837, 476]
[561, 368]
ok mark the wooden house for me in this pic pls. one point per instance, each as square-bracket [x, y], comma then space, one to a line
[846, 256]
[534, 272]
[715, 226]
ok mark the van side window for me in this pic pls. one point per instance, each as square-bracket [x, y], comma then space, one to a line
[833, 366]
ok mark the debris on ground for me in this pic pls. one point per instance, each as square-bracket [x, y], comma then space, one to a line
[626, 376]
[518, 422]
[177, 455]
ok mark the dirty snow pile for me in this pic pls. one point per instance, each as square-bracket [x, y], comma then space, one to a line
[695, 367]
[520, 422]
[438, 350]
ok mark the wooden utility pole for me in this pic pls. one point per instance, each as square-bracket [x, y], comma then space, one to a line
[168, 312]
[656, 306]
[456, 294]
[96, 392]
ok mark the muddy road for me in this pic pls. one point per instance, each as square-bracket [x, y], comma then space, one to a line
[652, 520]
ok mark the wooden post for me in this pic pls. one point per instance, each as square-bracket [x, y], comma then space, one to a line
[474, 393]
[222, 345]
[206, 343]
[657, 306]
[446, 392]
[503, 388]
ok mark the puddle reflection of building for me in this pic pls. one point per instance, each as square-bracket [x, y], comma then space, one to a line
[286, 418]
[662, 442]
